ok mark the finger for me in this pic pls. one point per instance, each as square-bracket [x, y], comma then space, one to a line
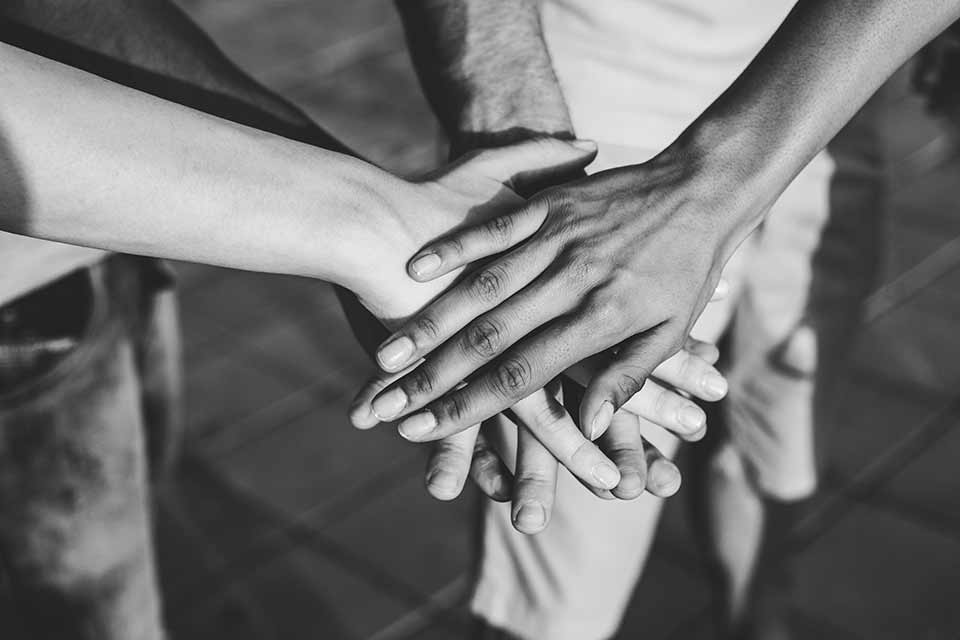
[624, 444]
[705, 350]
[691, 374]
[488, 470]
[722, 290]
[668, 409]
[469, 244]
[479, 292]
[535, 485]
[361, 409]
[482, 340]
[663, 476]
[536, 161]
[624, 377]
[521, 370]
[544, 416]
[449, 464]
[689, 371]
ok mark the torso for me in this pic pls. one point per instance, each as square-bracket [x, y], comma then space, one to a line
[637, 72]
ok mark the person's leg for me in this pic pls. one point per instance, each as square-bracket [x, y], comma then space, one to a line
[813, 266]
[574, 579]
[767, 454]
[75, 539]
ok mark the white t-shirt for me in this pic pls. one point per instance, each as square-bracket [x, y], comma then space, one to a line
[638, 72]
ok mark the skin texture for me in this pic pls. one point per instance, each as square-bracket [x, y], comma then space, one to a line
[573, 288]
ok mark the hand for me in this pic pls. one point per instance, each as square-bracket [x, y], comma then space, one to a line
[478, 185]
[554, 438]
[479, 452]
[626, 258]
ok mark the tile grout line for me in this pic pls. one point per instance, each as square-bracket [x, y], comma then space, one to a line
[414, 621]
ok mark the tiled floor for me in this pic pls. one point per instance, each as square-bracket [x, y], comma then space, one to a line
[282, 522]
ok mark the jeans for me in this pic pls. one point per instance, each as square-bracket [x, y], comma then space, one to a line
[89, 407]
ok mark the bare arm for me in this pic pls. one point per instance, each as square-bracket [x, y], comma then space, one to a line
[485, 69]
[89, 162]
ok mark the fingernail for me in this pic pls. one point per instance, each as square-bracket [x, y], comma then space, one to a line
[389, 405]
[585, 145]
[361, 416]
[601, 420]
[715, 385]
[667, 478]
[395, 353]
[692, 417]
[606, 474]
[443, 484]
[417, 426]
[426, 264]
[531, 516]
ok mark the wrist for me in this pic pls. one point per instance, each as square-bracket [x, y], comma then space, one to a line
[334, 217]
[739, 182]
[508, 120]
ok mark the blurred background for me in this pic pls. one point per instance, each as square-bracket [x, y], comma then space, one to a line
[282, 521]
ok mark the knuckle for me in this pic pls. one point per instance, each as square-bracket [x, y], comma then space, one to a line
[625, 454]
[484, 338]
[421, 382]
[550, 418]
[487, 284]
[449, 453]
[581, 265]
[484, 463]
[500, 229]
[512, 376]
[629, 383]
[690, 369]
[608, 314]
[585, 451]
[452, 247]
[426, 328]
[455, 407]
[661, 404]
[532, 479]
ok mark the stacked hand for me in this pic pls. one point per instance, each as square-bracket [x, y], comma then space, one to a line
[483, 185]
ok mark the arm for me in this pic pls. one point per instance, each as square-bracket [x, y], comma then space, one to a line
[89, 162]
[630, 256]
[485, 69]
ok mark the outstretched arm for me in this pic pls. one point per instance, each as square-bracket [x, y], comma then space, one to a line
[90, 162]
[629, 257]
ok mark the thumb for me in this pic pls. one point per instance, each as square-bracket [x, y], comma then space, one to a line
[541, 161]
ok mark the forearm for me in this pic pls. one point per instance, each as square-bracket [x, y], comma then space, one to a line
[89, 162]
[820, 67]
[485, 69]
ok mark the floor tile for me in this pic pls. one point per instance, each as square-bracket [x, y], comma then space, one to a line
[297, 596]
[306, 464]
[883, 577]
[927, 484]
[421, 541]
